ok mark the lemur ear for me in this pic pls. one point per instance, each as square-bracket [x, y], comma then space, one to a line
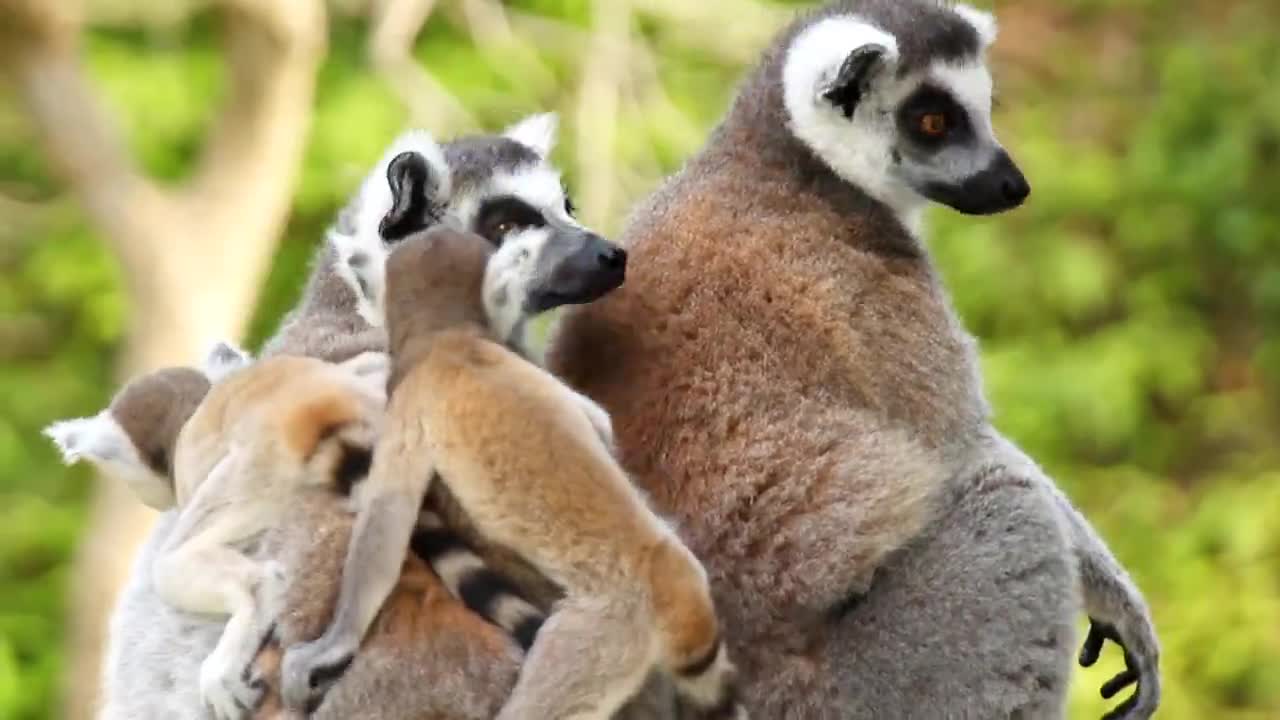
[222, 359]
[96, 439]
[409, 179]
[982, 21]
[537, 132]
[409, 186]
[103, 442]
[859, 69]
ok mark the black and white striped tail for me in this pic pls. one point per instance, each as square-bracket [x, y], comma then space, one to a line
[466, 575]
[709, 685]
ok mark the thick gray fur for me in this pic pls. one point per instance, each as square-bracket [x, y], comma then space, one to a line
[976, 616]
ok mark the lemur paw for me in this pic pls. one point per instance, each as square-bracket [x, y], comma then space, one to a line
[227, 690]
[1141, 661]
[310, 668]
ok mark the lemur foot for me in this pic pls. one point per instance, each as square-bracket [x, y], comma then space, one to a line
[310, 668]
[1141, 661]
[227, 689]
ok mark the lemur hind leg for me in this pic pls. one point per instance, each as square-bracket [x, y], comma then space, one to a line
[610, 636]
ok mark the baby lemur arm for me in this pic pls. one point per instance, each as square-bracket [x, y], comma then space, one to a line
[388, 503]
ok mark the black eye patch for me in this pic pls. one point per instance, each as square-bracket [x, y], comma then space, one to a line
[930, 101]
[501, 215]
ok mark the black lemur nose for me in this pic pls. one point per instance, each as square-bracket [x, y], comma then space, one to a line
[613, 258]
[1016, 188]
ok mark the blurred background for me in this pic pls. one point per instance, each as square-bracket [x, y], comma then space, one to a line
[167, 168]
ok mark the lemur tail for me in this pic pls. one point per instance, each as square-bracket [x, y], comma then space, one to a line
[469, 579]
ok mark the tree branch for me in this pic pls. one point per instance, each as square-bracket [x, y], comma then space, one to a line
[396, 25]
[41, 52]
[598, 102]
[273, 48]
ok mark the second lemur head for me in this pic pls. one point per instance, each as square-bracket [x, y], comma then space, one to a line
[504, 189]
[894, 96]
[134, 438]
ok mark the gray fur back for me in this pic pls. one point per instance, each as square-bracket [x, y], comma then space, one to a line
[154, 653]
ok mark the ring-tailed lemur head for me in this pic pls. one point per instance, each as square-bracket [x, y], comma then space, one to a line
[895, 97]
[502, 187]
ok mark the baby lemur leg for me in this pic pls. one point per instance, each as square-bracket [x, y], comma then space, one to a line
[199, 572]
[595, 652]
[389, 501]
[689, 633]
[612, 636]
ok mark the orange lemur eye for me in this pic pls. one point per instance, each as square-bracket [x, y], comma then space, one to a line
[933, 124]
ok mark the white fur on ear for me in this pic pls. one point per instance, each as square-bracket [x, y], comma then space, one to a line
[364, 244]
[857, 148]
[981, 20]
[374, 200]
[816, 56]
[82, 438]
[222, 359]
[537, 132]
[101, 441]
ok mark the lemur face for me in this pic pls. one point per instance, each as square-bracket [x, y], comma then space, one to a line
[503, 188]
[945, 148]
[904, 114]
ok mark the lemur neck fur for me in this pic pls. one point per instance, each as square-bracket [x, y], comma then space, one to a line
[756, 134]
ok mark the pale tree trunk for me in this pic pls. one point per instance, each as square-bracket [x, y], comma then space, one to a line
[193, 256]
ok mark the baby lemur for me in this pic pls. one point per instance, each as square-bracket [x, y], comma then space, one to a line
[530, 462]
[232, 455]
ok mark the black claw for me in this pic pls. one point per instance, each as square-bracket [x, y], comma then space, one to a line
[1122, 710]
[1092, 648]
[1118, 683]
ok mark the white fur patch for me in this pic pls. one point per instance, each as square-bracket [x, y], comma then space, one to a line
[857, 149]
[375, 191]
[536, 132]
[982, 21]
[372, 206]
[361, 262]
[222, 359]
[538, 185]
[708, 687]
[100, 441]
[507, 278]
[971, 85]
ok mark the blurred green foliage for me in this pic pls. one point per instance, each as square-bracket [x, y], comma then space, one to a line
[1130, 313]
